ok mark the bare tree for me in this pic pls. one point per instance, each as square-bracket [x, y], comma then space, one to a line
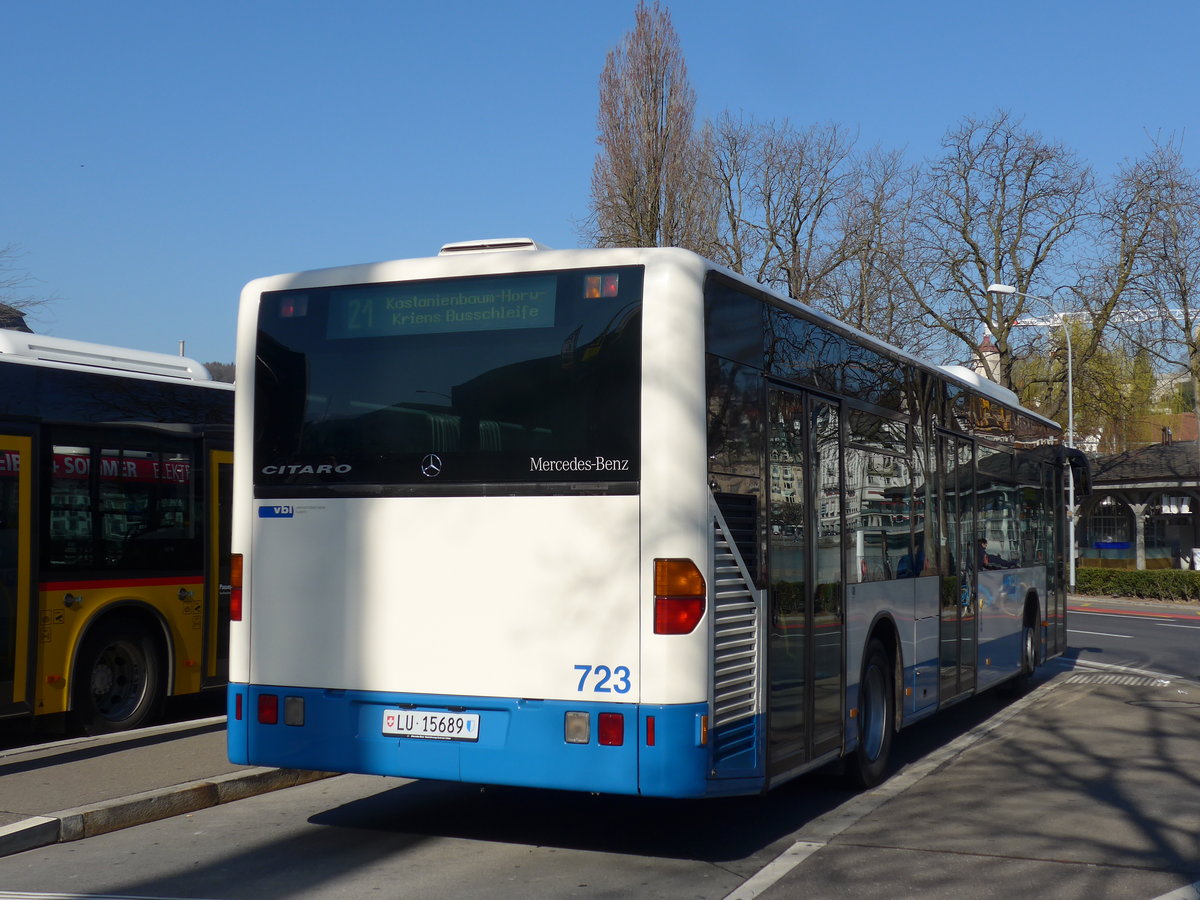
[734, 146]
[1165, 275]
[803, 179]
[906, 253]
[803, 212]
[221, 371]
[1001, 205]
[16, 290]
[1116, 269]
[646, 184]
[875, 226]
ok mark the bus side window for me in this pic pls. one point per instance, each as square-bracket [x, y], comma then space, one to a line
[150, 509]
[127, 508]
[70, 542]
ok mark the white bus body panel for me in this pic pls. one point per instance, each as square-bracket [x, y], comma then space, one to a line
[394, 607]
[676, 522]
[1001, 595]
[567, 580]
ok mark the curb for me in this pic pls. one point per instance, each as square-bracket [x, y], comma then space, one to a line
[148, 806]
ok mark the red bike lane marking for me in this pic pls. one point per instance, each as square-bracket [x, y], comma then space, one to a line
[1106, 611]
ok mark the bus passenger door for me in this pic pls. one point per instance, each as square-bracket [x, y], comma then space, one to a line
[805, 642]
[828, 604]
[217, 575]
[16, 550]
[956, 495]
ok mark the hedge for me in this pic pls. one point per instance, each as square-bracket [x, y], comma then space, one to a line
[1157, 584]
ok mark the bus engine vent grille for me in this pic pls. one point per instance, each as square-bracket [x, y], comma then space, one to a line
[735, 632]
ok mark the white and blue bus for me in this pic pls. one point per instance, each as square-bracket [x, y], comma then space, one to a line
[616, 521]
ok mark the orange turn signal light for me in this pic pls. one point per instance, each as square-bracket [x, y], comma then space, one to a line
[680, 596]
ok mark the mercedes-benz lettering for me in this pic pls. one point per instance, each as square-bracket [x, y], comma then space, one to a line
[576, 464]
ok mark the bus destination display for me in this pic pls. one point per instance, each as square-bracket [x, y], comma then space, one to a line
[476, 304]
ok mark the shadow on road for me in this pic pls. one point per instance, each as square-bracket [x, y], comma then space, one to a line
[715, 830]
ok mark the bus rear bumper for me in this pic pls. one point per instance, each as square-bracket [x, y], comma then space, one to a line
[649, 750]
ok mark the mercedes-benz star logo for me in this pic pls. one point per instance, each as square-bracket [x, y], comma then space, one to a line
[431, 465]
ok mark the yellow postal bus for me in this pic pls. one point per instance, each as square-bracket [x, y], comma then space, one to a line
[115, 476]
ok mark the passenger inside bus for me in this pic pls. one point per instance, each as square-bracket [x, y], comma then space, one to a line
[912, 565]
[987, 560]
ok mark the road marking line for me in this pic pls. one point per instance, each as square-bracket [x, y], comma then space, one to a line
[1092, 664]
[1152, 617]
[768, 875]
[1128, 637]
[1191, 892]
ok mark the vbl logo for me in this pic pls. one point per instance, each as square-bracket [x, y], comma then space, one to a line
[276, 512]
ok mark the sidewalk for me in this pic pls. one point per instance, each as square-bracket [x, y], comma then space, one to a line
[1086, 788]
[88, 786]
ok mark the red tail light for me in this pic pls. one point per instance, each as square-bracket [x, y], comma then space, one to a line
[612, 730]
[268, 709]
[680, 596]
[235, 587]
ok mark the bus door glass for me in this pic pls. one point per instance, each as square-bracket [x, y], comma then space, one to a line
[827, 605]
[956, 491]
[1055, 555]
[217, 575]
[16, 478]
[805, 534]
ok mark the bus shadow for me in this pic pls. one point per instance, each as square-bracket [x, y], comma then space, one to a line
[710, 830]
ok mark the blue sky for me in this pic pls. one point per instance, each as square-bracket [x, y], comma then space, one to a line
[158, 155]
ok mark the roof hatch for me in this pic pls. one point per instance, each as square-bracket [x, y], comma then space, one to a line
[490, 245]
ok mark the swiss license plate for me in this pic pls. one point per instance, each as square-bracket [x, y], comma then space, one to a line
[437, 726]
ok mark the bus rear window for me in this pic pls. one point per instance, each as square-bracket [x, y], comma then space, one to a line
[512, 382]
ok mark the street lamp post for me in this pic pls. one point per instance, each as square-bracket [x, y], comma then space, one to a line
[1062, 322]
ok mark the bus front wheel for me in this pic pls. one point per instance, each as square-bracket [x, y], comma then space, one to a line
[118, 678]
[876, 712]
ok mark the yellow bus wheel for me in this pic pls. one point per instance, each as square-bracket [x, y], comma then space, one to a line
[118, 678]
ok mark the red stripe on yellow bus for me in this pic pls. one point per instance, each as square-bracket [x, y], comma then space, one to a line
[116, 582]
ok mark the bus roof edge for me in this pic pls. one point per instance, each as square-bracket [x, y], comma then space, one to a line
[983, 385]
[84, 354]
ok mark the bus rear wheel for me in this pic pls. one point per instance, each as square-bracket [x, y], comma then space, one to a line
[876, 712]
[1028, 650]
[118, 678]
[1021, 681]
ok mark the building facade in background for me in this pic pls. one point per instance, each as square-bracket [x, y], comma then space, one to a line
[1142, 513]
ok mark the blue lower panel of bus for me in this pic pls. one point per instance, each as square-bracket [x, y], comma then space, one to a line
[662, 750]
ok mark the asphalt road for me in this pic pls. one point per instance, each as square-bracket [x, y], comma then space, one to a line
[1147, 635]
[354, 836]
[1074, 819]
